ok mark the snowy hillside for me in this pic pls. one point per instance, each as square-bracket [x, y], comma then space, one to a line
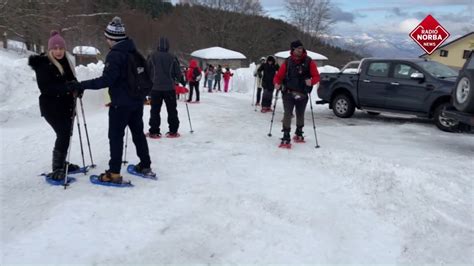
[381, 190]
[377, 45]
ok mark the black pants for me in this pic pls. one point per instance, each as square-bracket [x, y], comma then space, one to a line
[157, 98]
[119, 118]
[259, 95]
[61, 124]
[267, 96]
[294, 100]
[193, 86]
[217, 82]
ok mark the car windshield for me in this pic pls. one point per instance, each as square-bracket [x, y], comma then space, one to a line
[438, 70]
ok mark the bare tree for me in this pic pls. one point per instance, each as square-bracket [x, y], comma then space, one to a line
[312, 17]
[249, 7]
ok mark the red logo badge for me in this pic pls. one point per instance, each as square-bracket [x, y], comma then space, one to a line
[429, 34]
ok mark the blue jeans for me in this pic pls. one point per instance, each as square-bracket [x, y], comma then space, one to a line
[209, 84]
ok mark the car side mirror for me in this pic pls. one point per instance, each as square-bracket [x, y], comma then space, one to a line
[417, 75]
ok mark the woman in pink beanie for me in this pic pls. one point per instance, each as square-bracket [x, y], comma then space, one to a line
[57, 100]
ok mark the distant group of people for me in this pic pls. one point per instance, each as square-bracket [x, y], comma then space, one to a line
[213, 75]
[60, 89]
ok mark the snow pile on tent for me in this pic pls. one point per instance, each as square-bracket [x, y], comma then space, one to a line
[313, 55]
[217, 53]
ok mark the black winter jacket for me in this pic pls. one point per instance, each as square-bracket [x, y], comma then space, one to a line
[115, 75]
[54, 100]
[164, 68]
[269, 71]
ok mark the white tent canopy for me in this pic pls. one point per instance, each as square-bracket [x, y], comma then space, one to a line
[85, 50]
[313, 55]
[217, 53]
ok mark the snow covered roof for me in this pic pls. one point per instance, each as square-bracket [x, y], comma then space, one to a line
[313, 55]
[85, 50]
[217, 53]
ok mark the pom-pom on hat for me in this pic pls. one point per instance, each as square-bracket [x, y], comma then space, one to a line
[115, 30]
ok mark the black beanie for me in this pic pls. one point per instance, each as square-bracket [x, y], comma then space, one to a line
[296, 44]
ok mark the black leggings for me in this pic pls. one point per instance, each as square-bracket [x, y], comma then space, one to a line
[193, 86]
[61, 125]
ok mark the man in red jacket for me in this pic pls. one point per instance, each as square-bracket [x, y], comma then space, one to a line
[298, 74]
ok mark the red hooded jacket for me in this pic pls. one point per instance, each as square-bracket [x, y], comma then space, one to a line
[192, 65]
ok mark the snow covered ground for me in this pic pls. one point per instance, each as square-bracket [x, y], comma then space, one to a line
[381, 190]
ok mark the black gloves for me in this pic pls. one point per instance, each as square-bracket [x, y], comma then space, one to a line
[308, 89]
[75, 88]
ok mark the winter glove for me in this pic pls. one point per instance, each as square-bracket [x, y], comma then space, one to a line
[308, 89]
[76, 88]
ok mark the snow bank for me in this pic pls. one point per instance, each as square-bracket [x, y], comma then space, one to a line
[19, 91]
[217, 53]
[85, 50]
[328, 69]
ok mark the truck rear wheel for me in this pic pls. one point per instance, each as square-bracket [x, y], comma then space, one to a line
[343, 106]
[463, 95]
[442, 122]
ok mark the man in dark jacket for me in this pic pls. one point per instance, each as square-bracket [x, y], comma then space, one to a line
[268, 70]
[165, 72]
[125, 110]
[299, 73]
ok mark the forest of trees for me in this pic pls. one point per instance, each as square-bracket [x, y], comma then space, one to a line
[189, 27]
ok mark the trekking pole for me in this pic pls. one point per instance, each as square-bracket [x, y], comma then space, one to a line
[80, 138]
[189, 118]
[87, 133]
[273, 113]
[69, 145]
[314, 125]
[125, 149]
[253, 95]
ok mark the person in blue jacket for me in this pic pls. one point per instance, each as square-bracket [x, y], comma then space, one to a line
[125, 110]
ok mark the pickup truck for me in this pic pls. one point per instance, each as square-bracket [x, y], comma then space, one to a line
[408, 86]
[463, 95]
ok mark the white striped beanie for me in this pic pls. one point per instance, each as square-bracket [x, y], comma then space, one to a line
[115, 30]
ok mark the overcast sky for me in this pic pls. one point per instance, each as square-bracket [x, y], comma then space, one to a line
[389, 17]
[354, 17]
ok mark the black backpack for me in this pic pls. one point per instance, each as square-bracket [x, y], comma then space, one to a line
[139, 81]
[196, 74]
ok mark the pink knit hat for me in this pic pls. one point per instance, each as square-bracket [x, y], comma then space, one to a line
[56, 41]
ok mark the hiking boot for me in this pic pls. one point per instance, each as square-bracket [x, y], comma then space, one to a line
[286, 137]
[299, 135]
[73, 168]
[153, 135]
[146, 171]
[57, 175]
[110, 177]
[173, 135]
[286, 141]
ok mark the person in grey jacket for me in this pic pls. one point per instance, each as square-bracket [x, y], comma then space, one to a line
[165, 73]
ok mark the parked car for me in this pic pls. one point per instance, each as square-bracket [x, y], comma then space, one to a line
[409, 86]
[463, 95]
[351, 68]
